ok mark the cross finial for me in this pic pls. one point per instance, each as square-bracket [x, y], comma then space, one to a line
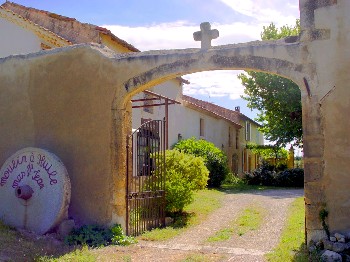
[205, 35]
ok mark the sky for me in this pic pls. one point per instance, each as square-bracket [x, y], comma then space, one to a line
[169, 24]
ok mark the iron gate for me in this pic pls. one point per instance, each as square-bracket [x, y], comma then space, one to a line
[145, 192]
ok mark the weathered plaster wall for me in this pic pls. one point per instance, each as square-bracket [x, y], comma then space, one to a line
[61, 101]
[335, 107]
[325, 41]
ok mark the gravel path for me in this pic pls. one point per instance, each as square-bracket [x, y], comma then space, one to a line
[251, 246]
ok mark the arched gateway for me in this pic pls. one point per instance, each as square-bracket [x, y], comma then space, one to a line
[75, 102]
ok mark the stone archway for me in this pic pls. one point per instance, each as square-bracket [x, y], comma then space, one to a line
[283, 57]
[300, 59]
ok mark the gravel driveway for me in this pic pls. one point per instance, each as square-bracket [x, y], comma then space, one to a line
[250, 247]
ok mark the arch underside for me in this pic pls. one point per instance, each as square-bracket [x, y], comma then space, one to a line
[276, 58]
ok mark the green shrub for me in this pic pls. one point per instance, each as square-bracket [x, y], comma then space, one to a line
[232, 179]
[185, 174]
[291, 178]
[118, 237]
[179, 193]
[96, 236]
[264, 176]
[215, 159]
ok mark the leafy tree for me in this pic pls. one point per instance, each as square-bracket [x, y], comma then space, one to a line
[278, 99]
[268, 151]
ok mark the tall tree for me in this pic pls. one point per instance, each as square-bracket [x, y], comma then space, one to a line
[278, 99]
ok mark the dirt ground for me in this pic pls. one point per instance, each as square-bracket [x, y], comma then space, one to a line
[192, 244]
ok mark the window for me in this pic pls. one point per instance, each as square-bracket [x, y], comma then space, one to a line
[237, 138]
[201, 127]
[229, 137]
[148, 143]
[247, 131]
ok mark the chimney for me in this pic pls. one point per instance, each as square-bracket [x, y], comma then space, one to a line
[238, 109]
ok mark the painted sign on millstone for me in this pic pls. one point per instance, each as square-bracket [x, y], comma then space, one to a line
[34, 190]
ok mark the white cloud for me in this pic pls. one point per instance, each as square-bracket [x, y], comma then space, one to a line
[266, 11]
[179, 35]
[215, 84]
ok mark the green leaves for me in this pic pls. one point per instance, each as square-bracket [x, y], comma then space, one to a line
[215, 159]
[185, 174]
[97, 236]
[278, 99]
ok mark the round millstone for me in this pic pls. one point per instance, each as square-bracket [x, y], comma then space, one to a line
[34, 190]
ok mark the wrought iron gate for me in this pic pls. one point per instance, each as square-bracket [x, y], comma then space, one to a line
[145, 192]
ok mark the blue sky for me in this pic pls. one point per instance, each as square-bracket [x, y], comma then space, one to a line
[169, 24]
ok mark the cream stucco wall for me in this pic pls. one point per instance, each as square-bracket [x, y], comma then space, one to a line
[16, 40]
[68, 113]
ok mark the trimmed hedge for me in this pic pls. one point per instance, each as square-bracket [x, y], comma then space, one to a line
[291, 178]
[265, 176]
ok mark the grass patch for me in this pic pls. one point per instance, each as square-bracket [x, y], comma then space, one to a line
[83, 255]
[292, 244]
[250, 219]
[160, 234]
[205, 202]
[222, 235]
[195, 258]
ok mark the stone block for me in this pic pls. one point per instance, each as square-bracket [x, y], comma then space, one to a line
[338, 247]
[327, 244]
[341, 240]
[313, 147]
[339, 236]
[331, 256]
[313, 170]
[312, 217]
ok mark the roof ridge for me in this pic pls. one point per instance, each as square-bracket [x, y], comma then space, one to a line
[220, 110]
[206, 102]
[228, 114]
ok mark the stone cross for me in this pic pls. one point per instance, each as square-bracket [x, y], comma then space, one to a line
[205, 35]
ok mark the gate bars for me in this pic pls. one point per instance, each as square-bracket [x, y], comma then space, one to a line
[145, 192]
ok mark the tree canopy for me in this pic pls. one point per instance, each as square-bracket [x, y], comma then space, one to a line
[278, 99]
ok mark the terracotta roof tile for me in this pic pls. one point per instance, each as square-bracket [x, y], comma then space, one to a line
[228, 114]
[222, 112]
